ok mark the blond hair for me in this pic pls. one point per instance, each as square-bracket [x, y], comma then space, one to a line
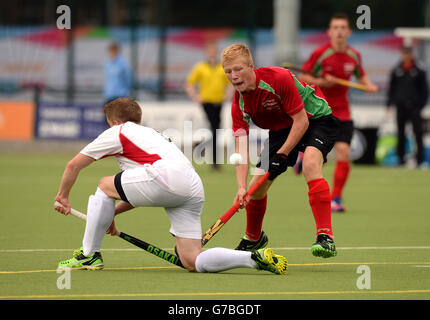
[235, 51]
[123, 110]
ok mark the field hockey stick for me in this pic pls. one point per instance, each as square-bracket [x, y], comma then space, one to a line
[163, 254]
[230, 212]
[342, 82]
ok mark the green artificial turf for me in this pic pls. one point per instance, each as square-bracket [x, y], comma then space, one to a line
[386, 227]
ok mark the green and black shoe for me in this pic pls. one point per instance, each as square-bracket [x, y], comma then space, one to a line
[248, 245]
[82, 262]
[324, 246]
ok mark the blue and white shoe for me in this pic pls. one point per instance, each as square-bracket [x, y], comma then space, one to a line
[336, 205]
[298, 167]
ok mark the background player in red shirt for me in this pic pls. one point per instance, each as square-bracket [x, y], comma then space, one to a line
[337, 59]
[299, 119]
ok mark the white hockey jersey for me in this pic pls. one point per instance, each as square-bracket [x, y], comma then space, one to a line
[134, 145]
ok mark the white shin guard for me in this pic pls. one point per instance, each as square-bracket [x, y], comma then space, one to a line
[100, 213]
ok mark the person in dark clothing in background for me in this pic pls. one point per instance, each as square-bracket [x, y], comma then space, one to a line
[408, 91]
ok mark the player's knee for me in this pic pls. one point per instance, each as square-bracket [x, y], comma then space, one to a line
[103, 183]
[188, 255]
[191, 268]
[261, 192]
[189, 263]
[342, 151]
[311, 168]
[258, 195]
[107, 185]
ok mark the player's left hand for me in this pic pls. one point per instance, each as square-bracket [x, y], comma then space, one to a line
[113, 231]
[277, 165]
[65, 208]
[371, 88]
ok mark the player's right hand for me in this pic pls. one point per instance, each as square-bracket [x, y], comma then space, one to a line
[197, 99]
[327, 81]
[240, 196]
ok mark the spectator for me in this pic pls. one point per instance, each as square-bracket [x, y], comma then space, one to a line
[408, 91]
[117, 75]
[213, 90]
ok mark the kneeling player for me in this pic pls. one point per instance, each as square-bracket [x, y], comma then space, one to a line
[154, 173]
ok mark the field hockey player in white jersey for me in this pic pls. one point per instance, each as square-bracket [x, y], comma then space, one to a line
[154, 173]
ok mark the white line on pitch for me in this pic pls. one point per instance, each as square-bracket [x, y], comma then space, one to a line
[60, 250]
[427, 266]
[279, 248]
[361, 248]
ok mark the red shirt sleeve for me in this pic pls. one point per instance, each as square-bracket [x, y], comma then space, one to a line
[290, 97]
[359, 71]
[240, 125]
[309, 65]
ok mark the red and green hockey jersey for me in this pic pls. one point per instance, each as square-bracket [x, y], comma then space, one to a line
[279, 95]
[324, 60]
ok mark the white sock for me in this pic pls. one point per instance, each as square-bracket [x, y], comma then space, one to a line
[221, 259]
[100, 213]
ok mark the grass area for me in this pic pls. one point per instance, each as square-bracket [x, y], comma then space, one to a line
[386, 228]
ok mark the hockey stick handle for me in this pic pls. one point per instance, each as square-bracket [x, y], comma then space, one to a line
[339, 81]
[230, 212]
[351, 84]
[226, 216]
[73, 212]
[135, 241]
[291, 66]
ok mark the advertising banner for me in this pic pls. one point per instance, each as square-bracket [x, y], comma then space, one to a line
[69, 121]
[16, 120]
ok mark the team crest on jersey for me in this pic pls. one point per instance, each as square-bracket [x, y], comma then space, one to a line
[348, 68]
[270, 105]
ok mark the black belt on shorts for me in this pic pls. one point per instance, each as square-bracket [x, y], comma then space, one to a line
[118, 186]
